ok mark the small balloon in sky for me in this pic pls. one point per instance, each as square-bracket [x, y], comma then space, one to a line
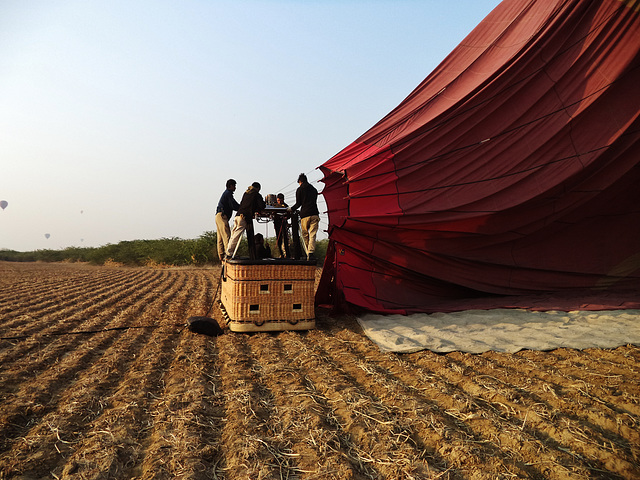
[3, 204]
[46, 235]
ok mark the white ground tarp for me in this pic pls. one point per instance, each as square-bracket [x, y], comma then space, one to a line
[502, 330]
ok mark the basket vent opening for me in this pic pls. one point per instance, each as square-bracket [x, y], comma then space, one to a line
[264, 288]
[297, 307]
[254, 308]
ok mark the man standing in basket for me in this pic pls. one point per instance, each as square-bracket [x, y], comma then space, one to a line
[251, 203]
[226, 206]
[281, 225]
[306, 200]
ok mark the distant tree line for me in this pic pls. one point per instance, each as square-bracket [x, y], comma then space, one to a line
[165, 251]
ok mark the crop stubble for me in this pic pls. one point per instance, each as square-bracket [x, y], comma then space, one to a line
[100, 379]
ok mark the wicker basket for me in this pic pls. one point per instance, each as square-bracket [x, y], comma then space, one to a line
[268, 295]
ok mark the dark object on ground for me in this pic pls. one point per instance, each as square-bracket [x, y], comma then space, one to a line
[204, 325]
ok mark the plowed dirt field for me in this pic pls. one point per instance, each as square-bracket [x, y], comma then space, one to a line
[99, 379]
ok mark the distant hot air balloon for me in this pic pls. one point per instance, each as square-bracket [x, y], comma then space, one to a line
[3, 204]
[46, 235]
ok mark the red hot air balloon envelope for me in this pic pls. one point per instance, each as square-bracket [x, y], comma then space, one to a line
[512, 170]
[3, 204]
[46, 235]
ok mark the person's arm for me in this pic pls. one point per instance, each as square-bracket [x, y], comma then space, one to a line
[234, 204]
[298, 203]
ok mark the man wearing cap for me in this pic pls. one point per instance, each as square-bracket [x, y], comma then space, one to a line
[306, 200]
[226, 206]
[251, 203]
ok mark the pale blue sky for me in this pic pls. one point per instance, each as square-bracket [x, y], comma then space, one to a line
[122, 120]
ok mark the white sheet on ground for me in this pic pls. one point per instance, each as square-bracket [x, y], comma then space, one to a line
[502, 330]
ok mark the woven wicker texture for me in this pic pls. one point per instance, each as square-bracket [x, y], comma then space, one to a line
[269, 297]
[269, 270]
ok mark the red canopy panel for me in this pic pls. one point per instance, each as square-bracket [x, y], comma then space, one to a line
[512, 170]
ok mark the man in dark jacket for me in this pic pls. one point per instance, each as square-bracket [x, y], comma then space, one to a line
[226, 206]
[306, 200]
[251, 203]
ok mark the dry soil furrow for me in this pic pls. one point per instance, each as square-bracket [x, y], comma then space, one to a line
[606, 422]
[28, 358]
[55, 367]
[304, 429]
[594, 430]
[151, 427]
[30, 291]
[469, 433]
[630, 354]
[176, 313]
[198, 418]
[428, 382]
[627, 355]
[623, 394]
[523, 427]
[26, 316]
[116, 441]
[536, 416]
[569, 365]
[19, 273]
[35, 294]
[608, 363]
[41, 446]
[31, 358]
[205, 292]
[575, 362]
[378, 439]
[42, 302]
[12, 272]
[184, 441]
[572, 431]
[44, 279]
[584, 385]
[145, 403]
[116, 357]
[245, 441]
[44, 306]
[502, 408]
[51, 331]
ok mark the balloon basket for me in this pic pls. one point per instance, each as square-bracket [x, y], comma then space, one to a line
[268, 295]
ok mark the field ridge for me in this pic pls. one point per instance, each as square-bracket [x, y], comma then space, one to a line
[100, 379]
